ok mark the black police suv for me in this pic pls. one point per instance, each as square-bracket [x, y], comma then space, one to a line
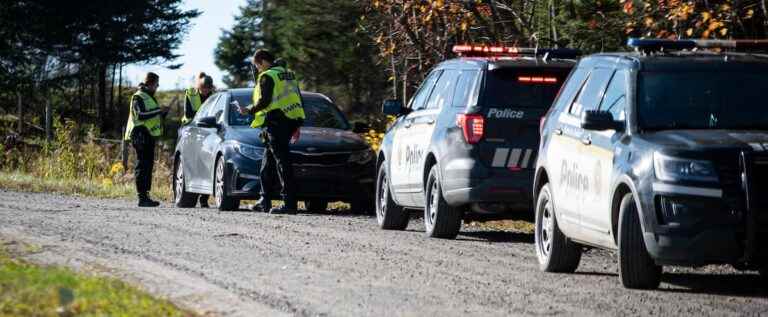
[220, 154]
[662, 155]
[465, 145]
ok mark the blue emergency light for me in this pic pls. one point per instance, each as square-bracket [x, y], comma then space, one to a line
[505, 51]
[650, 45]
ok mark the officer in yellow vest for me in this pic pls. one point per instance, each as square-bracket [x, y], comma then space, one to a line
[278, 111]
[144, 126]
[195, 97]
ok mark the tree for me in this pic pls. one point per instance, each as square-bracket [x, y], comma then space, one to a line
[236, 46]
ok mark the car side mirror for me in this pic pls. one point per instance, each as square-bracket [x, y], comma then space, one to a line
[393, 107]
[360, 127]
[207, 122]
[599, 120]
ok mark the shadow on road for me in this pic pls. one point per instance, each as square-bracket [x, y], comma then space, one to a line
[496, 236]
[745, 285]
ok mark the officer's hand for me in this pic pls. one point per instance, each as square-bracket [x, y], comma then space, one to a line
[242, 110]
[296, 135]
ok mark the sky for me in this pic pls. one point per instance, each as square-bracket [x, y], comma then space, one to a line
[197, 46]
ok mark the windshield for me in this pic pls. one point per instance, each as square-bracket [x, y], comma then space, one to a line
[523, 88]
[702, 100]
[319, 112]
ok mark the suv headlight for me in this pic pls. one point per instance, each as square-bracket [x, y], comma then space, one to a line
[361, 157]
[669, 168]
[249, 151]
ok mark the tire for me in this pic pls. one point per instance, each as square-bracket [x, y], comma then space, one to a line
[363, 206]
[316, 205]
[555, 252]
[636, 267]
[389, 215]
[181, 197]
[440, 219]
[221, 187]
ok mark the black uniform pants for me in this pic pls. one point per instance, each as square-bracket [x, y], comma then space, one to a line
[144, 144]
[277, 160]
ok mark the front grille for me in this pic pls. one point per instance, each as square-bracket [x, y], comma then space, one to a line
[319, 159]
[729, 172]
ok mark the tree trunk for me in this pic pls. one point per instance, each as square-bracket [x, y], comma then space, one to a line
[111, 108]
[101, 98]
[48, 117]
[20, 113]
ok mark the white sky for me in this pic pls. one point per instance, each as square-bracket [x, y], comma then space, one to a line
[197, 47]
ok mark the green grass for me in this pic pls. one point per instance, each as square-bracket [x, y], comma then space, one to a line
[29, 183]
[31, 290]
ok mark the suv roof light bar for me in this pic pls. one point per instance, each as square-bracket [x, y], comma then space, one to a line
[650, 45]
[503, 51]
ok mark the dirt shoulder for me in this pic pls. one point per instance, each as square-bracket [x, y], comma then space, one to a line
[243, 263]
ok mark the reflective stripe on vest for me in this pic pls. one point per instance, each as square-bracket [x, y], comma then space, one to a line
[194, 98]
[285, 96]
[154, 124]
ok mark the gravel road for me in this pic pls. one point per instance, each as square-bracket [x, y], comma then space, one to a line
[249, 264]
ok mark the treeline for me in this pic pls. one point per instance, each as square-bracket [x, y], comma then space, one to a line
[65, 58]
[363, 51]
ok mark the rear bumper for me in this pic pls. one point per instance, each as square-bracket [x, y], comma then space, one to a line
[490, 192]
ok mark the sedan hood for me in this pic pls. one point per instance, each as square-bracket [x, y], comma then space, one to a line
[311, 140]
[709, 139]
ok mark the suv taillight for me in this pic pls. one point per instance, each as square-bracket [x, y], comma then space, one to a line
[473, 126]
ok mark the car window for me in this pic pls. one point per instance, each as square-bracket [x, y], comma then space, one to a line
[443, 92]
[235, 118]
[467, 88]
[218, 110]
[323, 114]
[571, 87]
[533, 88]
[590, 95]
[615, 100]
[206, 107]
[419, 99]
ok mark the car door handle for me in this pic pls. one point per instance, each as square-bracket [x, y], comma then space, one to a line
[558, 131]
[587, 140]
[431, 121]
[408, 125]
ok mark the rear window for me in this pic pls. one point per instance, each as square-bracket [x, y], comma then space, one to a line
[523, 88]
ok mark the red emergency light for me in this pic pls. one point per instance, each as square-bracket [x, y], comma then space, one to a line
[537, 80]
[502, 51]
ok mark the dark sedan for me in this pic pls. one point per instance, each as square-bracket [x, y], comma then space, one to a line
[219, 154]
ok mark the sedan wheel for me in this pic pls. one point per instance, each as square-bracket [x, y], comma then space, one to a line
[223, 201]
[181, 197]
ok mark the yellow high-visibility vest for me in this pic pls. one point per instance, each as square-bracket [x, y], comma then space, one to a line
[194, 98]
[285, 96]
[154, 124]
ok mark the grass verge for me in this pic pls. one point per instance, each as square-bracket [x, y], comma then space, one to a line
[29, 183]
[31, 290]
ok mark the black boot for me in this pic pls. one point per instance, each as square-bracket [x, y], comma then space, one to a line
[145, 201]
[288, 208]
[204, 201]
[262, 205]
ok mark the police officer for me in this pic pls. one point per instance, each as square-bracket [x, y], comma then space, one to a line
[145, 125]
[195, 97]
[278, 110]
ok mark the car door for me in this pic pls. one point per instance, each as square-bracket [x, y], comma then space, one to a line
[423, 127]
[571, 185]
[191, 153]
[210, 138]
[405, 155]
[599, 160]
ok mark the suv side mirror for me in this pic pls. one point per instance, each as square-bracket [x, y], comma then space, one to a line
[207, 122]
[393, 107]
[359, 127]
[599, 120]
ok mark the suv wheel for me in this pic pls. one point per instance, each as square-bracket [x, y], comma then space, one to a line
[221, 186]
[556, 253]
[389, 215]
[181, 197]
[636, 268]
[316, 205]
[440, 219]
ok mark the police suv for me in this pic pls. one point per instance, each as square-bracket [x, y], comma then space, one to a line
[661, 154]
[465, 145]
